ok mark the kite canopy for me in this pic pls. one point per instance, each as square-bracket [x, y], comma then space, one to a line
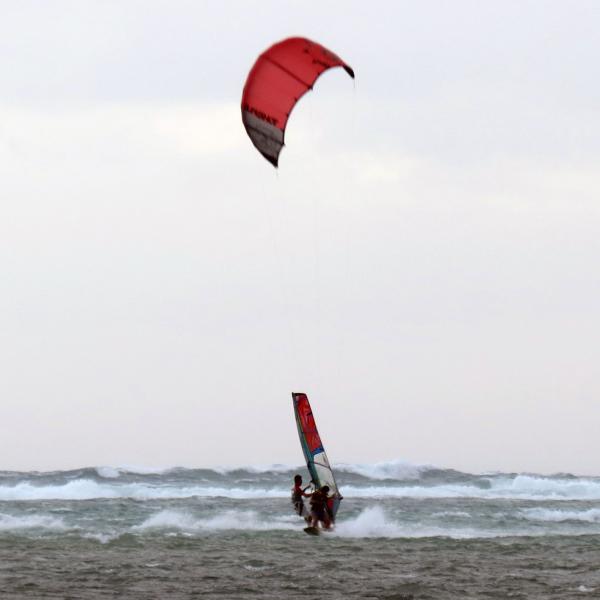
[279, 78]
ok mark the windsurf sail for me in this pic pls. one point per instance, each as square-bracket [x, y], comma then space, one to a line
[314, 452]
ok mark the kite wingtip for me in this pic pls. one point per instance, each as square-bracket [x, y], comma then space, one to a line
[274, 160]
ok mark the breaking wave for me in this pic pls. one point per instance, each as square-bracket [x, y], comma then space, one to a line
[245, 520]
[520, 487]
[392, 479]
[371, 522]
[12, 523]
[85, 489]
[382, 482]
[591, 515]
[108, 472]
[399, 470]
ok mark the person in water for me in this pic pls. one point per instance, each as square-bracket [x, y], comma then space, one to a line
[298, 493]
[319, 508]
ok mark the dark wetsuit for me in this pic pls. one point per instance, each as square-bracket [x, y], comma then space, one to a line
[318, 506]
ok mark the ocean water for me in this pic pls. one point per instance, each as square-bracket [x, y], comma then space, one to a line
[403, 532]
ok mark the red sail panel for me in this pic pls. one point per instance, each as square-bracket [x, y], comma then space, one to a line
[279, 78]
[307, 422]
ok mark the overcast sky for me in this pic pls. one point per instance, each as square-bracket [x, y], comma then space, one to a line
[425, 263]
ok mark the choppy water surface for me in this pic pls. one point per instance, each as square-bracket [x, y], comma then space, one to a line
[402, 532]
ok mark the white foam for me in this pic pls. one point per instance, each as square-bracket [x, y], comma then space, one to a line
[87, 489]
[111, 472]
[245, 520]
[374, 523]
[79, 489]
[371, 522]
[114, 485]
[258, 469]
[452, 513]
[142, 470]
[228, 520]
[168, 519]
[557, 488]
[591, 515]
[438, 491]
[108, 472]
[11, 523]
[394, 469]
[523, 487]
[103, 538]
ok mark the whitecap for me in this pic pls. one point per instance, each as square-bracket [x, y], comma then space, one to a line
[87, 489]
[12, 523]
[591, 515]
[393, 469]
[452, 513]
[108, 472]
[246, 520]
[144, 470]
[259, 469]
[103, 538]
[373, 522]
[559, 488]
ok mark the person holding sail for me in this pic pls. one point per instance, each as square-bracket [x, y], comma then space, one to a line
[298, 493]
[319, 508]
